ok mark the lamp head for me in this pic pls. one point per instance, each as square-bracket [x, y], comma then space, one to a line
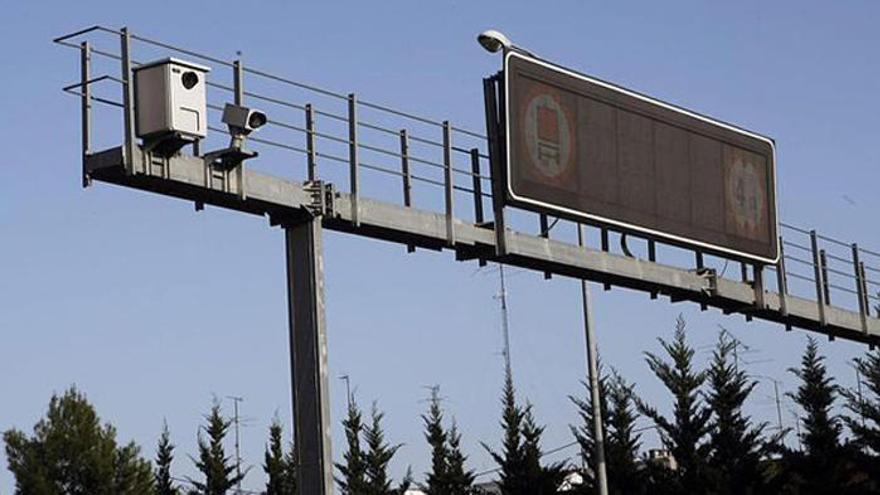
[493, 40]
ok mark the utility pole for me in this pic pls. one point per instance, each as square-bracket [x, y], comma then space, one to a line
[593, 372]
[235, 401]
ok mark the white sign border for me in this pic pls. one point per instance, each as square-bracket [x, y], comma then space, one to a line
[617, 223]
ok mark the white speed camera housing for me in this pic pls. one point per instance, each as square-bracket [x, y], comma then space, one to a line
[170, 99]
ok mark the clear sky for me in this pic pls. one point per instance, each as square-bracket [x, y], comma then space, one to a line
[151, 309]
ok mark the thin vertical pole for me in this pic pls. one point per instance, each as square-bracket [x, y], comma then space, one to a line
[860, 288]
[817, 277]
[235, 401]
[407, 176]
[778, 404]
[759, 285]
[86, 104]
[700, 262]
[238, 82]
[238, 86]
[308, 352]
[310, 142]
[782, 282]
[593, 370]
[478, 191]
[496, 162]
[404, 168]
[478, 185]
[505, 324]
[823, 261]
[544, 225]
[127, 100]
[606, 246]
[652, 257]
[448, 184]
[354, 178]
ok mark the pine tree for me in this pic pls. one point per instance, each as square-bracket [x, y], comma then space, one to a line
[278, 473]
[164, 458]
[353, 471]
[622, 443]
[684, 434]
[542, 480]
[585, 433]
[816, 395]
[70, 452]
[511, 459]
[865, 405]
[737, 446]
[824, 465]
[461, 480]
[521, 471]
[218, 469]
[378, 456]
[865, 422]
[448, 475]
[437, 480]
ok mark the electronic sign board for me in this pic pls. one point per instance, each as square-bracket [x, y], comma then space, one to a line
[584, 149]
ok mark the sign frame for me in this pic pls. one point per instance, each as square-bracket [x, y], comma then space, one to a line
[512, 199]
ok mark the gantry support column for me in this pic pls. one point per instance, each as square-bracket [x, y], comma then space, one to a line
[308, 357]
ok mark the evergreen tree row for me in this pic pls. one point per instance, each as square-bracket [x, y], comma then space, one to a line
[710, 444]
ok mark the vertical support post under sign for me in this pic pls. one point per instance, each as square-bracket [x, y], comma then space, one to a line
[308, 357]
[496, 161]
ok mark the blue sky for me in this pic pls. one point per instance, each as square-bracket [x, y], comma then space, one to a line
[151, 308]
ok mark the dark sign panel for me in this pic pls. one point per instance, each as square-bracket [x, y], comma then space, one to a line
[585, 149]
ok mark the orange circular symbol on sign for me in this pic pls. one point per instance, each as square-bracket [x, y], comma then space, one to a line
[548, 135]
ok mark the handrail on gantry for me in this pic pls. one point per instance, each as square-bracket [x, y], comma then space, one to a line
[823, 253]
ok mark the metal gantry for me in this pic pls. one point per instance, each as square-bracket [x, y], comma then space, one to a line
[347, 141]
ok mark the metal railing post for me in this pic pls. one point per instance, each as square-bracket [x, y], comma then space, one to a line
[823, 260]
[354, 179]
[478, 191]
[544, 225]
[312, 162]
[448, 184]
[86, 108]
[127, 100]
[238, 87]
[407, 176]
[782, 283]
[858, 269]
[817, 277]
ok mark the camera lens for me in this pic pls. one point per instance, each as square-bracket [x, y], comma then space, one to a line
[189, 79]
[257, 120]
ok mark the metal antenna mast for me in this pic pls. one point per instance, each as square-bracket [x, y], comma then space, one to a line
[235, 401]
[505, 323]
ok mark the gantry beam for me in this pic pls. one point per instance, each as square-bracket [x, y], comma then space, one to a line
[285, 201]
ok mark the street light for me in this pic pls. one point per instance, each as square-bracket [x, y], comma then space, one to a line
[493, 41]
